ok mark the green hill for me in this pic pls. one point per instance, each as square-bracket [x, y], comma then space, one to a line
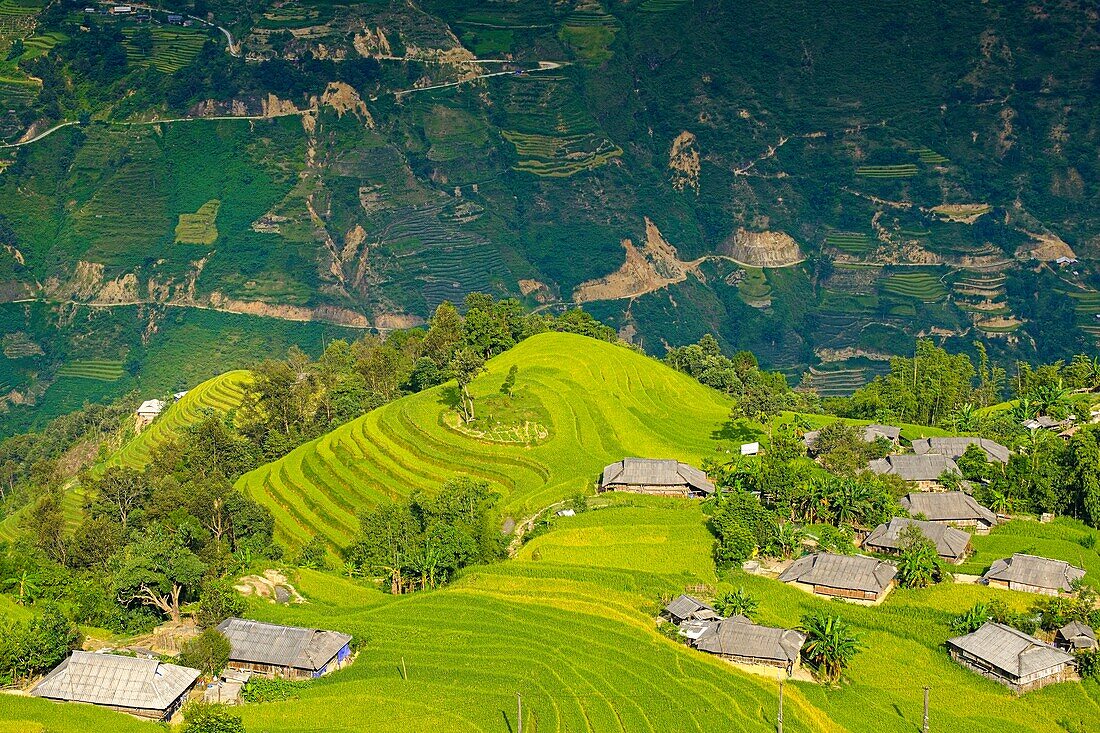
[597, 403]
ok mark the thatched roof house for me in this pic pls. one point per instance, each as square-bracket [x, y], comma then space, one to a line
[147, 688]
[740, 640]
[950, 507]
[1011, 657]
[685, 608]
[853, 577]
[870, 434]
[1033, 574]
[951, 544]
[1075, 636]
[954, 448]
[283, 651]
[661, 477]
[925, 471]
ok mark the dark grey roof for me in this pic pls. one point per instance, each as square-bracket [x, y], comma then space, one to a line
[684, 606]
[1041, 572]
[915, 468]
[651, 472]
[870, 434]
[1080, 635]
[282, 646]
[950, 542]
[954, 447]
[740, 637]
[1010, 650]
[109, 679]
[848, 572]
[946, 506]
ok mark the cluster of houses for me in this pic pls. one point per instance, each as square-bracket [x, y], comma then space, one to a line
[149, 688]
[1007, 655]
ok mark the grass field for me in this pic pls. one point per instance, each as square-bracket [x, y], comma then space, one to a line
[221, 394]
[604, 402]
[200, 227]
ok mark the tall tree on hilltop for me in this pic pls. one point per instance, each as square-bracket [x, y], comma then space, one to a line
[465, 366]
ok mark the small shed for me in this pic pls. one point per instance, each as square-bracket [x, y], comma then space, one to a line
[147, 688]
[954, 448]
[659, 477]
[750, 449]
[925, 471]
[1033, 574]
[740, 640]
[1011, 657]
[952, 544]
[851, 577]
[291, 652]
[950, 507]
[686, 608]
[1075, 636]
[147, 411]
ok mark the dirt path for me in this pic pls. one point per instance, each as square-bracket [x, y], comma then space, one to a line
[522, 528]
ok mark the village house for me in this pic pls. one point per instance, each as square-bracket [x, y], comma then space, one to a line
[147, 688]
[924, 471]
[740, 640]
[147, 411]
[1011, 657]
[953, 545]
[950, 507]
[290, 652]
[659, 477]
[852, 577]
[1032, 574]
[1075, 637]
[870, 434]
[685, 608]
[1045, 422]
[954, 448]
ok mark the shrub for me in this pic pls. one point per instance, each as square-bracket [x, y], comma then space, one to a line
[208, 652]
[259, 689]
[313, 555]
[1088, 664]
[204, 717]
[217, 602]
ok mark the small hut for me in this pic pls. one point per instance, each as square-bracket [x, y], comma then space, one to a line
[954, 448]
[1032, 574]
[685, 608]
[924, 471]
[1075, 637]
[851, 577]
[1011, 657]
[740, 640]
[658, 477]
[950, 507]
[290, 652]
[952, 544]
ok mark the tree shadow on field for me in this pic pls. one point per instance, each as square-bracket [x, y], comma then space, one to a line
[450, 397]
[736, 431]
[507, 722]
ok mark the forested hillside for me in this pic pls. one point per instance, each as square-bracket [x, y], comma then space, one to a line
[821, 183]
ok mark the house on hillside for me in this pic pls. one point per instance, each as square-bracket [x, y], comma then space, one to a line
[852, 577]
[953, 448]
[740, 640]
[147, 688]
[147, 411]
[1011, 657]
[1075, 637]
[924, 471]
[950, 507]
[870, 434]
[1045, 422]
[658, 477]
[1032, 574]
[685, 608]
[290, 652]
[953, 545]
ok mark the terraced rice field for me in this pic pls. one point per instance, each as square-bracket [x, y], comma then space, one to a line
[105, 370]
[855, 243]
[173, 47]
[835, 382]
[660, 6]
[924, 286]
[900, 170]
[200, 227]
[929, 156]
[605, 402]
[220, 394]
[1087, 305]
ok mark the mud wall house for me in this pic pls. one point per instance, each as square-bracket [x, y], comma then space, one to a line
[952, 545]
[1011, 657]
[924, 471]
[954, 448]
[740, 640]
[147, 688]
[1032, 574]
[288, 652]
[950, 507]
[656, 477]
[852, 577]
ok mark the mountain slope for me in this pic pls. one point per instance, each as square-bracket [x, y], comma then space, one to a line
[594, 402]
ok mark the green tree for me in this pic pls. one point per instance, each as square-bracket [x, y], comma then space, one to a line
[974, 464]
[737, 602]
[208, 652]
[314, 554]
[918, 563]
[204, 717]
[158, 570]
[830, 644]
[509, 381]
[465, 366]
[218, 601]
[24, 586]
[118, 492]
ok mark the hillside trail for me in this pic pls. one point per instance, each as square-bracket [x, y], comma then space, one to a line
[523, 527]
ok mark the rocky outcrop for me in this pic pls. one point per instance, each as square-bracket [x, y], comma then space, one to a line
[651, 267]
[761, 249]
[683, 161]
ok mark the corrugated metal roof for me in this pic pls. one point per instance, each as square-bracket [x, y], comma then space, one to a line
[1080, 635]
[845, 572]
[740, 637]
[1010, 650]
[653, 472]
[110, 679]
[955, 447]
[915, 468]
[950, 542]
[1041, 572]
[684, 606]
[282, 646]
[947, 506]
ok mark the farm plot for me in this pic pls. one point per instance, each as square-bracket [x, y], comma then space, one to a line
[921, 285]
[660, 6]
[899, 170]
[200, 227]
[105, 370]
[834, 382]
[754, 288]
[1087, 305]
[590, 29]
[604, 403]
[854, 243]
[929, 156]
[172, 48]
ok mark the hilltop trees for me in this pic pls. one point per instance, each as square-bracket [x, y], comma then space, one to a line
[158, 570]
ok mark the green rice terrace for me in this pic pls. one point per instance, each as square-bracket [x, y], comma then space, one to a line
[899, 170]
[104, 370]
[921, 285]
[854, 243]
[172, 48]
